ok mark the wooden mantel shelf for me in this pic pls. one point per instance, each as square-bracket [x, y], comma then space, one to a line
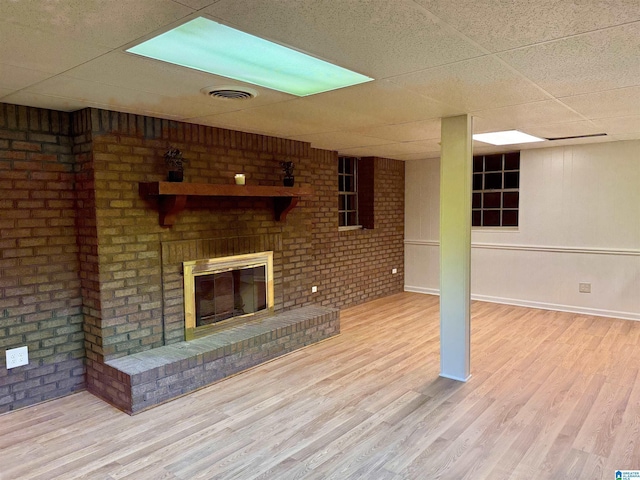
[172, 196]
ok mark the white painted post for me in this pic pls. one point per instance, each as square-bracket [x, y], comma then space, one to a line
[455, 247]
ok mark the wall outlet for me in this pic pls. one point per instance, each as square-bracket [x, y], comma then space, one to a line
[584, 287]
[314, 289]
[394, 270]
[16, 357]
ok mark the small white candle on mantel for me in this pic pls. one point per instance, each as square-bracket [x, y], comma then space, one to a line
[239, 178]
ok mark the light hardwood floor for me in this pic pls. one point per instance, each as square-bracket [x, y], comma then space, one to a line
[553, 395]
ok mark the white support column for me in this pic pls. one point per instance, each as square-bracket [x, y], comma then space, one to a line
[455, 247]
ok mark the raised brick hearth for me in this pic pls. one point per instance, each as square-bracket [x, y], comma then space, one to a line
[142, 380]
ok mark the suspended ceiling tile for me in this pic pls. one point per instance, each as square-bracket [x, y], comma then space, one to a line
[4, 92]
[47, 101]
[485, 125]
[629, 125]
[428, 145]
[144, 74]
[217, 123]
[338, 140]
[118, 98]
[391, 150]
[366, 152]
[198, 4]
[377, 38]
[107, 23]
[404, 132]
[502, 25]
[626, 136]
[480, 148]
[18, 77]
[472, 85]
[569, 129]
[592, 62]
[527, 114]
[385, 101]
[43, 51]
[418, 156]
[295, 117]
[610, 103]
[564, 143]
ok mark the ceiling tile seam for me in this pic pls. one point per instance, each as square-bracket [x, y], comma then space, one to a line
[196, 9]
[594, 92]
[63, 73]
[51, 75]
[535, 85]
[91, 82]
[454, 30]
[567, 37]
[493, 56]
[245, 109]
[106, 106]
[584, 117]
[381, 125]
[475, 113]
[397, 141]
[59, 32]
[496, 56]
[433, 67]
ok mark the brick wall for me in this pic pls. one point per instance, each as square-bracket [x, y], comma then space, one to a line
[130, 290]
[354, 266]
[40, 297]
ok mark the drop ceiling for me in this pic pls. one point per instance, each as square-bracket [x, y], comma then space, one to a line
[551, 68]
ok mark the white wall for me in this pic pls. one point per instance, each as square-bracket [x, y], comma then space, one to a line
[579, 222]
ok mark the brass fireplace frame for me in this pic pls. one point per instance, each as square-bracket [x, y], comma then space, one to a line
[210, 266]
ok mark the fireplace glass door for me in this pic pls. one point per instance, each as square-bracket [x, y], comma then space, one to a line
[229, 294]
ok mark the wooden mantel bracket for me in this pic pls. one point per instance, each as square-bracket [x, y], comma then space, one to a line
[172, 197]
[283, 205]
[169, 207]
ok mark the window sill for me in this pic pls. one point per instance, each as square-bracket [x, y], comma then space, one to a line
[495, 229]
[349, 228]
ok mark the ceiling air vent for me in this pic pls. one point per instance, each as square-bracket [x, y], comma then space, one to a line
[230, 92]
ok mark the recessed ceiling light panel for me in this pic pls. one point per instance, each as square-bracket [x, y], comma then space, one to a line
[205, 45]
[508, 137]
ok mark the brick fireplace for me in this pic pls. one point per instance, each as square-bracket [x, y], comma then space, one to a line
[129, 267]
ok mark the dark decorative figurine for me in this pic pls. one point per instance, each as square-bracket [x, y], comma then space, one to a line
[175, 162]
[287, 168]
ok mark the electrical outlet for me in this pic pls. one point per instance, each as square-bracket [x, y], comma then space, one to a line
[584, 287]
[16, 357]
[314, 289]
[394, 270]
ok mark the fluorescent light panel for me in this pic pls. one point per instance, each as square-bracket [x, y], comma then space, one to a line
[508, 137]
[205, 45]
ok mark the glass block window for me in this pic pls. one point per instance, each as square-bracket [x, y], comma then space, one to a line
[496, 183]
[348, 191]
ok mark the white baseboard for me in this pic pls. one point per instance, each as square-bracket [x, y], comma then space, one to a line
[428, 291]
[541, 305]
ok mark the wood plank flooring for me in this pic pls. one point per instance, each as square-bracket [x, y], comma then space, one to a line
[553, 395]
